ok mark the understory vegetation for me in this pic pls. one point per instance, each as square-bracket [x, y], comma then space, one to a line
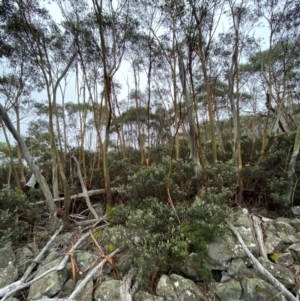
[165, 235]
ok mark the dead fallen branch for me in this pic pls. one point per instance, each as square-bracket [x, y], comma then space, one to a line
[91, 274]
[15, 286]
[84, 190]
[259, 236]
[127, 289]
[19, 285]
[279, 286]
[78, 195]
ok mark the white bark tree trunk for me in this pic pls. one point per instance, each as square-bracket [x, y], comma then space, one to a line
[40, 179]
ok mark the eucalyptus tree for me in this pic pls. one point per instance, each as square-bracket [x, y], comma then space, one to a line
[282, 19]
[110, 26]
[14, 90]
[19, 78]
[203, 24]
[50, 50]
[172, 43]
[115, 26]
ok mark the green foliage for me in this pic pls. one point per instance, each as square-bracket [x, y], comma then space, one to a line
[221, 175]
[149, 181]
[268, 176]
[153, 181]
[34, 195]
[157, 243]
[13, 203]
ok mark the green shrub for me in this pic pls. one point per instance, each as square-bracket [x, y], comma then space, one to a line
[160, 246]
[149, 181]
[268, 177]
[152, 181]
[14, 203]
[165, 243]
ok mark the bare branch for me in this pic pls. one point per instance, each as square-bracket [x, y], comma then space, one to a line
[279, 286]
[84, 190]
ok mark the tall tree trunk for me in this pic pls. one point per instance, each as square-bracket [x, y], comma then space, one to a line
[291, 167]
[233, 79]
[107, 76]
[189, 108]
[194, 106]
[11, 158]
[137, 106]
[40, 179]
[270, 84]
[20, 158]
[202, 53]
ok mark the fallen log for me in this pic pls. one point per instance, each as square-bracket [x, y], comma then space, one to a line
[78, 195]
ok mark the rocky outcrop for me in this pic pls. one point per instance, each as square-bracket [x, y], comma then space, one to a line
[8, 271]
[234, 277]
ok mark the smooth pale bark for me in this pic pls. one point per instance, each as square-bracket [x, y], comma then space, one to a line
[84, 190]
[202, 51]
[233, 81]
[107, 77]
[189, 107]
[12, 165]
[272, 280]
[79, 195]
[292, 163]
[40, 179]
[141, 143]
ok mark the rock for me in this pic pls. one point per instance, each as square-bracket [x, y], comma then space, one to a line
[67, 288]
[229, 291]
[166, 289]
[51, 257]
[225, 248]
[281, 273]
[219, 254]
[242, 221]
[254, 289]
[295, 251]
[125, 264]
[270, 227]
[238, 267]
[246, 234]
[192, 268]
[284, 226]
[296, 210]
[24, 257]
[295, 222]
[288, 238]
[108, 291]
[186, 289]
[8, 271]
[85, 260]
[225, 277]
[49, 285]
[86, 294]
[144, 296]
[272, 242]
[285, 259]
